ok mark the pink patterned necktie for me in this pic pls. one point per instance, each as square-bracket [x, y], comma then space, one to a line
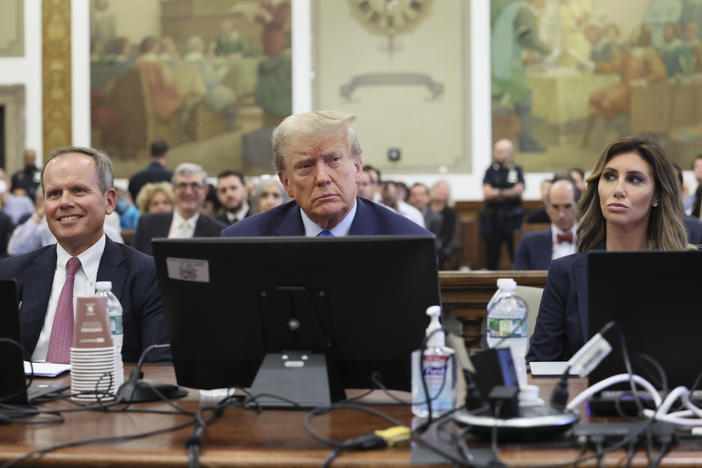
[61, 338]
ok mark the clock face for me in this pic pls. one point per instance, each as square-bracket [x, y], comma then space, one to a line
[389, 17]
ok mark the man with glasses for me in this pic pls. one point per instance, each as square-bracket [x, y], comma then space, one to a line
[190, 188]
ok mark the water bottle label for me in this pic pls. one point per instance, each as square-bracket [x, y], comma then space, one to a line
[116, 327]
[506, 328]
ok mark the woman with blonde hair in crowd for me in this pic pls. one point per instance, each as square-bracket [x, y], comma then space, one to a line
[156, 198]
[631, 203]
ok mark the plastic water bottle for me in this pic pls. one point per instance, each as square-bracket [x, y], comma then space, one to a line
[114, 313]
[507, 324]
[438, 369]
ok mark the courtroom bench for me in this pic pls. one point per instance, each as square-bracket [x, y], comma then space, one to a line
[465, 295]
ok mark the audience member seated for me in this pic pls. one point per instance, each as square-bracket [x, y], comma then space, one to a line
[128, 213]
[631, 203]
[211, 206]
[18, 207]
[689, 203]
[536, 249]
[190, 187]
[156, 198]
[371, 191]
[445, 240]
[27, 178]
[693, 226]
[578, 176]
[35, 231]
[268, 194]
[232, 195]
[155, 172]
[78, 183]
[391, 197]
[540, 215]
[318, 159]
[419, 198]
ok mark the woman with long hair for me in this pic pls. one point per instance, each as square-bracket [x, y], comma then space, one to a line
[631, 203]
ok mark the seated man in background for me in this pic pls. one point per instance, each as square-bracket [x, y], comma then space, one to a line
[693, 226]
[419, 198]
[232, 194]
[391, 196]
[540, 215]
[78, 187]
[190, 187]
[537, 249]
[318, 159]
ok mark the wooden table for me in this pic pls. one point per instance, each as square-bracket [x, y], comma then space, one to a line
[244, 438]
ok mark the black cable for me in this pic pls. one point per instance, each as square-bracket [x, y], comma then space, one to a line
[330, 458]
[630, 454]
[493, 433]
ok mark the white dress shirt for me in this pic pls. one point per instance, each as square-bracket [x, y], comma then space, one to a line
[564, 248]
[341, 229]
[182, 228]
[239, 215]
[83, 285]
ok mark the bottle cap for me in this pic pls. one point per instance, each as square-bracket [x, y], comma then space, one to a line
[103, 286]
[506, 284]
[435, 340]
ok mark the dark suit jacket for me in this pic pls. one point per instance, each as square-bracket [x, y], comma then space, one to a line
[285, 220]
[153, 173]
[534, 251]
[693, 226]
[222, 218]
[158, 224]
[562, 324]
[538, 216]
[133, 277]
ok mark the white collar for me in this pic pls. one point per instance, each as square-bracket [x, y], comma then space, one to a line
[179, 221]
[89, 258]
[341, 229]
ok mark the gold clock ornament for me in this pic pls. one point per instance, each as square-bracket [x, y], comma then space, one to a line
[390, 17]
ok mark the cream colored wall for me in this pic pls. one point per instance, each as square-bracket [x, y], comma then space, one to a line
[430, 132]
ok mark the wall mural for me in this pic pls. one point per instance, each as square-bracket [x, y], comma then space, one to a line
[211, 77]
[568, 75]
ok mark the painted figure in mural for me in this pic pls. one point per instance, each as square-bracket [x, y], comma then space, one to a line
[692, 41]
[601, 49]
[658, 13]
[639, 66]
[230, 41]
[220, 97]
[163, 93]
[515, 29]
[676, 55]
[574, 14]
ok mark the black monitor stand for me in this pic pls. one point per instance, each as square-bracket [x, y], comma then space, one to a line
[297, 366]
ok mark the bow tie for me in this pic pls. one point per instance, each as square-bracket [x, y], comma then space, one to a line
[567, 237]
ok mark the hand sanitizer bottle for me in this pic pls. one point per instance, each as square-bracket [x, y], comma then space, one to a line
[438, 369]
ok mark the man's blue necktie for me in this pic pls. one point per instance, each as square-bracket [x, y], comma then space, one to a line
[325, 233]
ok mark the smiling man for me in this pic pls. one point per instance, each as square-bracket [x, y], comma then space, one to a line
[318, 160]
[79, 193]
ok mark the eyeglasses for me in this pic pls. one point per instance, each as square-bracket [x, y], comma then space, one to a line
[191, 185]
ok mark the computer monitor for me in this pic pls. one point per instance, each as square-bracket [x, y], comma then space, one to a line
[12, 382]
[655, 299]
[359, 301]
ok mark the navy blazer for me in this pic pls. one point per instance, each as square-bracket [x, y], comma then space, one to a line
[693, 226]
[562, 324]
[133, 277]
[285, 220]
[534, 251]
[158, 224]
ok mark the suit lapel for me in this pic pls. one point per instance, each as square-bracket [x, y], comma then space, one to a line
[35, 296]
[291, 222]
[582, 290]
[546, 250]
[111, 268]
[364, 222]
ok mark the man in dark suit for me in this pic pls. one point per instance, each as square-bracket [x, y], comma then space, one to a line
[537, 249]
[185, 221]
[232, 194]
[77, 183]
[318, 160]
[155, 172]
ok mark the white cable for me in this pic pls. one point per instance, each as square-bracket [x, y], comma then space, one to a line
[609, 381]
[677, 392]
[677, 419]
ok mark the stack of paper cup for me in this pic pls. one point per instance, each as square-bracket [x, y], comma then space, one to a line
[93, 373]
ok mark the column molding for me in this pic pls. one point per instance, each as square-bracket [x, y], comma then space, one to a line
[56, 73]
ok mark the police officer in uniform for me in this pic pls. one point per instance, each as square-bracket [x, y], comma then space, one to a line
[503, 186]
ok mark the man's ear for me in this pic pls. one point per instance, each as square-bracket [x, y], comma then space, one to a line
[285, 181]
[358, 164]
[111, 199]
